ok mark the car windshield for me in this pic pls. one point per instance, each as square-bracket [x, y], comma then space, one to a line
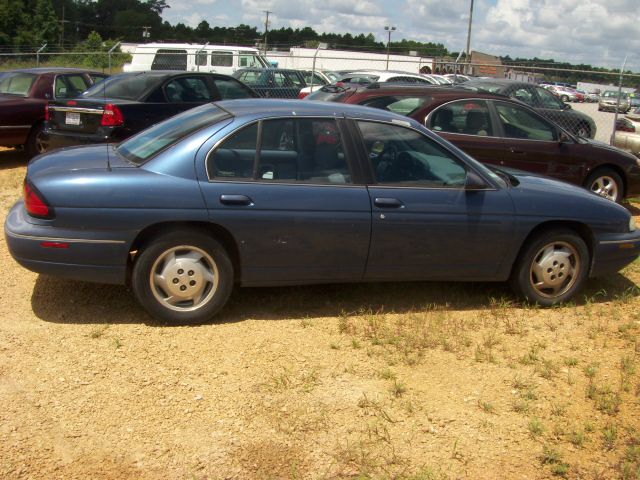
[17, 83]
[614, 94]
[150, 142]
[124, 86]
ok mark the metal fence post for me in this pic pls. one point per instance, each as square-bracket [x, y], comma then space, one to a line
[615, 118]
[38, 54]
[110, 52]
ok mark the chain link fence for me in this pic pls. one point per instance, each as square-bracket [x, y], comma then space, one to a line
[593, 108]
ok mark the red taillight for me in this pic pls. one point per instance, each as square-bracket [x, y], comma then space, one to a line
[301, 95]
[72, 103]
[47, 113]
[35, 203]
[112, 116]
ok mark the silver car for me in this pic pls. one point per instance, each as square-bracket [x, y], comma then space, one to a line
[609, 101]
[627, 133]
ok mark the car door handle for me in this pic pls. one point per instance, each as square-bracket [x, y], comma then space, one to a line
[384, 202]
[235, 200]
[517, 152]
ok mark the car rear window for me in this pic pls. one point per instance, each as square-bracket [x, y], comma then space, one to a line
[332, 93]
[17, 83]
[148, 143]
[126, 87]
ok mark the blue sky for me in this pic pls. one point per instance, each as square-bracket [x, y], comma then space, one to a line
[596, 32]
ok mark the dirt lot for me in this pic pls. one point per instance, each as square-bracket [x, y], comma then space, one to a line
[414, 381]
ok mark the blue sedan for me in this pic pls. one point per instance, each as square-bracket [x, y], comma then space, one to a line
[272, 192]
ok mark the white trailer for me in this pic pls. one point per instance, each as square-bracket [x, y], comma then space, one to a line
[303, 58]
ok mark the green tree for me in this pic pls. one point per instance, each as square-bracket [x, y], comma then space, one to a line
[45, 23]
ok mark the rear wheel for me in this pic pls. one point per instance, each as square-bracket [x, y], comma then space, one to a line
[564, 98]
[606, 183]
[552, 268]
[183, 277]
[36, 141]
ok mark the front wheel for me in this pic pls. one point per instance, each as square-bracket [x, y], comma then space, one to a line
[183, 277]
[606, 183]
[552, 268]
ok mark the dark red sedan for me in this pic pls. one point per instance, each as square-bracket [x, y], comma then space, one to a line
[499, 131]
[24, 95]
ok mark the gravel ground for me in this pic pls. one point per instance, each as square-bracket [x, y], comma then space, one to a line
[419, 381]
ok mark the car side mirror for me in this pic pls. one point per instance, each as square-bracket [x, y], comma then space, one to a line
[474, 182]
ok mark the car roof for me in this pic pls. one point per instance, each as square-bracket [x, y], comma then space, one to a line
[440, 91]
[40, 70]
[499, 81]
[265, 107]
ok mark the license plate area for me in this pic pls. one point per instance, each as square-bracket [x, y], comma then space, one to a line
[72, 118]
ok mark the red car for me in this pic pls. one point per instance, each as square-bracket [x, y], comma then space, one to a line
[500, 131]
[24, 95]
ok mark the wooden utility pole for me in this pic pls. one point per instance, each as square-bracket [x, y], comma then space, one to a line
[266, 29]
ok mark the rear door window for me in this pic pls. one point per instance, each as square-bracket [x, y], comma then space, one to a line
[169, 59]
[291, 150]
[188, 90]
[469, 117]
[222, 59]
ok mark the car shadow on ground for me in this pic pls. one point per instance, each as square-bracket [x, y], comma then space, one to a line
[64, 301]
[12, 159]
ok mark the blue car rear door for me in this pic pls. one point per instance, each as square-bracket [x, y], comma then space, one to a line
[285, 190]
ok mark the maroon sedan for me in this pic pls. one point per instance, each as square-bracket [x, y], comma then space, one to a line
[502, 132]
[24, 95]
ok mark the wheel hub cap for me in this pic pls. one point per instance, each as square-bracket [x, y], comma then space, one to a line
[184, 278]
[605, 187]
[555, 269]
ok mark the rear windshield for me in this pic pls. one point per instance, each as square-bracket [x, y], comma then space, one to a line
[125, 86]
[487, 87]
[332, 93]
[150, 142]
[17, 83]
[614, 94]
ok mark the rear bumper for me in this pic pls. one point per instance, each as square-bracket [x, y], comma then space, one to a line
[613, 252]
[74, 254]
[55, 139]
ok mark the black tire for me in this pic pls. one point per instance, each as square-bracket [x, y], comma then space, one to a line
[551, 268]
[564, 98]
[35, 142]
[607, 183]
[189, 287]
